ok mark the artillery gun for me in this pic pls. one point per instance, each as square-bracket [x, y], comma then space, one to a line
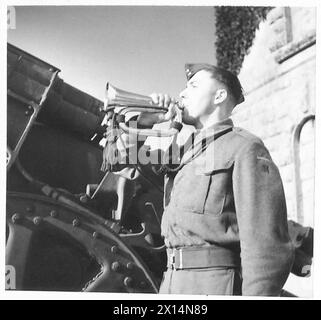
[58, 236]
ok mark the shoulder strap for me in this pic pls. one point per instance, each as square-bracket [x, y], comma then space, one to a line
[193, 151]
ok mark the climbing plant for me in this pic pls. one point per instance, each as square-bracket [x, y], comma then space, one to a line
[235, 31]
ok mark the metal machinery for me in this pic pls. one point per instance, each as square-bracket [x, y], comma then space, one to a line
[58, 238]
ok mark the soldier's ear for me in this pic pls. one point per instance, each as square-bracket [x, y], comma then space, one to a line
[220, 96]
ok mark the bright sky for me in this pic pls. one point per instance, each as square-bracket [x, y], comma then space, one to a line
[136, 48]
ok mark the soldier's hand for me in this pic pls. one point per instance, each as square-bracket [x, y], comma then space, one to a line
[164, 101]
[147, 119]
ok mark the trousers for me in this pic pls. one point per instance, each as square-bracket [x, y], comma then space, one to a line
[202, 281]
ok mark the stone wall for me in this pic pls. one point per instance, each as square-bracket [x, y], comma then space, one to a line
[278, 77]
[279, 84]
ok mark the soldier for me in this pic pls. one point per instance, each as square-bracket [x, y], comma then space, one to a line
[225, 223]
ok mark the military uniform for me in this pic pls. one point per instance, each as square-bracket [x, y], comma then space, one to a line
[225, 217]
[227, 220]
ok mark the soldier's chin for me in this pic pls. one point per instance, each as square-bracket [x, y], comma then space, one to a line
[188, 119]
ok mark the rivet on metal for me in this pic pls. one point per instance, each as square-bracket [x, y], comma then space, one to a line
[37, 220]
[142, 284]
[30, 107]
[27, 113]
[83, 198]
[29, 209]
[15, 217]
[53, 213]
[75, 222]
[128, 281]
[115, 266]
[114, 249]
[95, 235]
[130, 266]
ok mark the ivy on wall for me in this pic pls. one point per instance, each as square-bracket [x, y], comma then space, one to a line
[235, 31]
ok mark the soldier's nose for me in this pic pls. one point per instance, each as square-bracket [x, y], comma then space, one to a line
[183, 94]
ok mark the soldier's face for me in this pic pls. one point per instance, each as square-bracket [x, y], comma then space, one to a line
[198, 97]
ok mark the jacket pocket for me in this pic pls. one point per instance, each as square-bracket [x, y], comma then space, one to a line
[190, 189]
[220, 193]
[191, 193]
[203, 188]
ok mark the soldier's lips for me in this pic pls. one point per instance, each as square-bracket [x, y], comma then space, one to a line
[182, 105]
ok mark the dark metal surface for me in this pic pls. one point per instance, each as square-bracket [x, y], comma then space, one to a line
[29, 81]
[58, 238]
[69, 108]
[84, 243]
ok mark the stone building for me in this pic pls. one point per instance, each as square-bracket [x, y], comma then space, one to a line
[278, 77]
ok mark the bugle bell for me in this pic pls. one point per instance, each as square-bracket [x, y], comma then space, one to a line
[117, 97]
[133, 102]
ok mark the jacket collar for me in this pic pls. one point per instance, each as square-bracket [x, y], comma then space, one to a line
[217, 129]
[203, 138]
[221, 125]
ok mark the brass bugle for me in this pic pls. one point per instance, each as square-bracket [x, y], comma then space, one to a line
[129, 101]
[115, 97]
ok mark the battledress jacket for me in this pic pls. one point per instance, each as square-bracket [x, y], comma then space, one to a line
[233, 199]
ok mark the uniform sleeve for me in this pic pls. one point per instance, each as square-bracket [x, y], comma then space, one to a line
[266, 249]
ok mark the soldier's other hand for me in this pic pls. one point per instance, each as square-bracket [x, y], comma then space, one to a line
[164, 101]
